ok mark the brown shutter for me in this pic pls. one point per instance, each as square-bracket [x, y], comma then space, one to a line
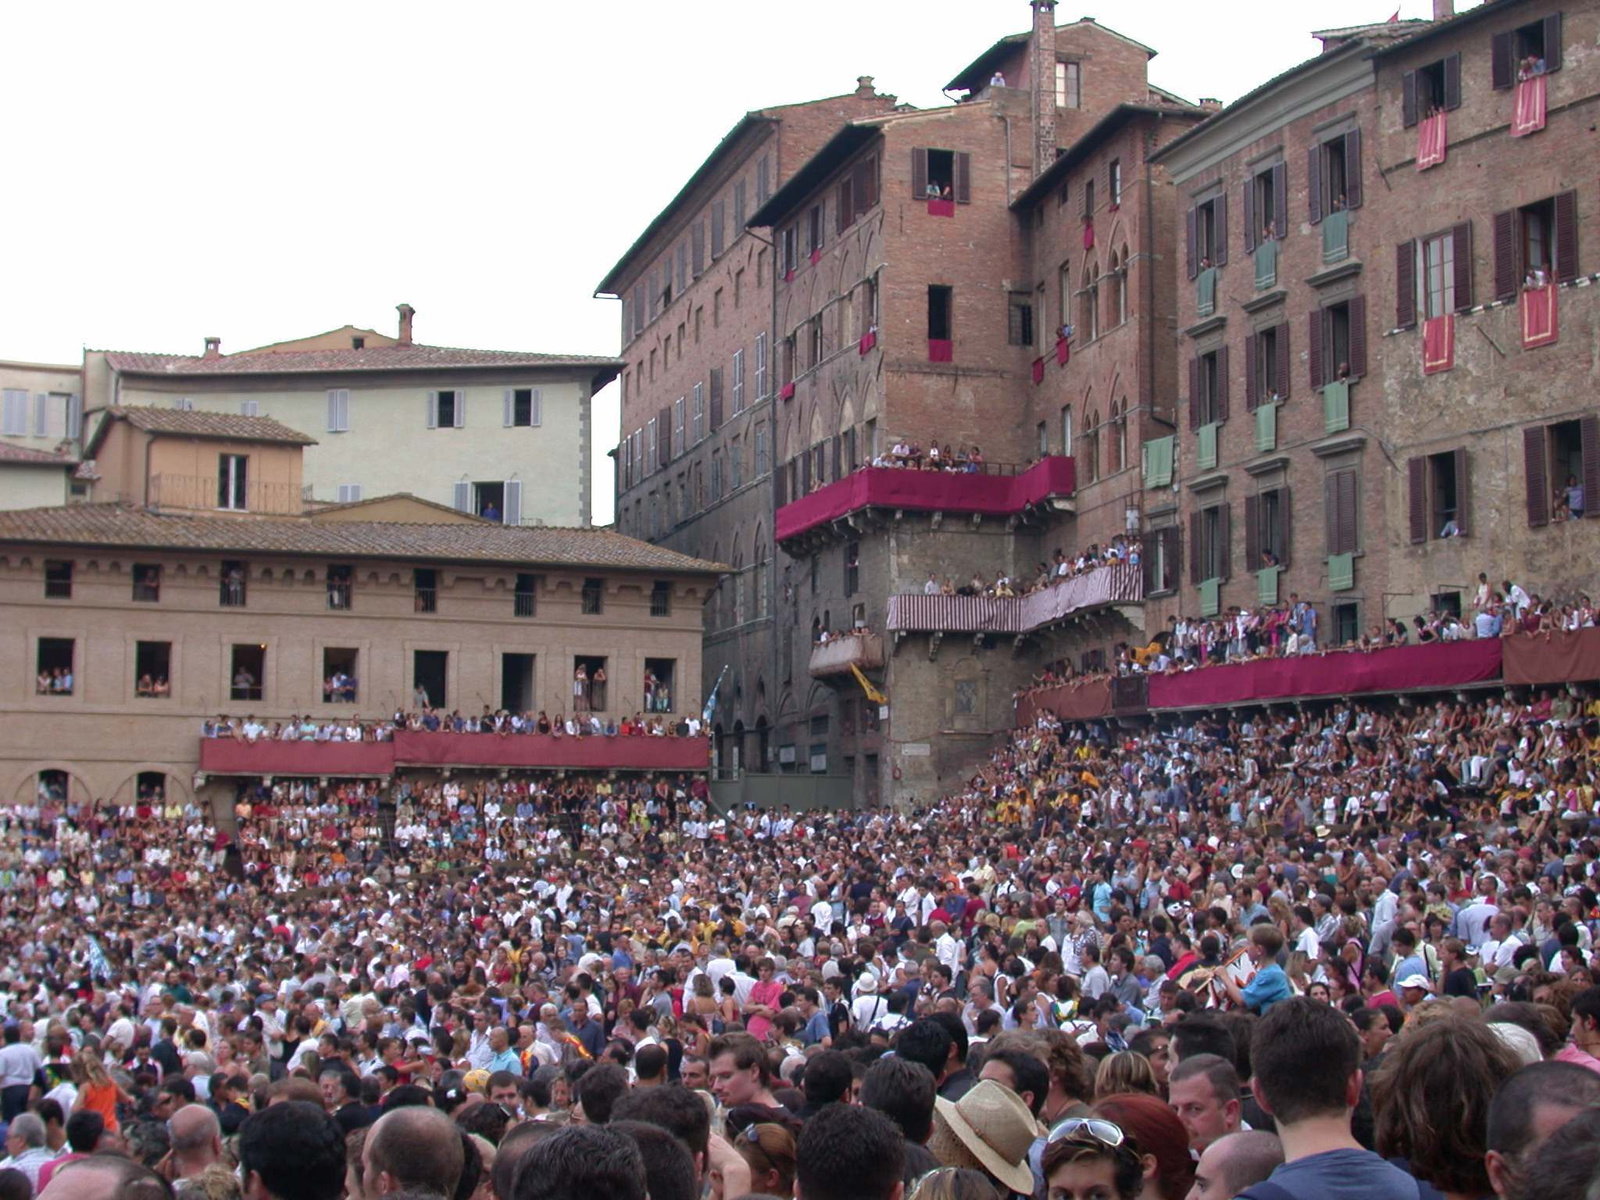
[1567, 241]
[1589, 436]
[1220, 208]
[1405, 285]
[963, 177]
[1552, 60]
[1314, 346]
[1280, 200]
[1461, 235]
[1252, 348]
[1347, 513]
[1505, 255]
[1463, 492]
[1314, 182]
[1283, 360]
[698, 237]
[858, 186]
[838, 458]
[664, 436]
[716, 229]
[867, 195]
[843, 208]
[1194, 393]
[1195, 555]
[1252, 533]
[1250, 214]
[1452, 81]
[1225, 534]
[1221, 405]
[780, 478]
[1417, 498]
[919, 172]
[1194, 261]
[1173, 537]
[1533, 470]
[1358, 336]
[1352, 169]
[716, 397]
[1285, 548]
[1330, 511]
[1408, 99]
[1500, 72]
[805, 473]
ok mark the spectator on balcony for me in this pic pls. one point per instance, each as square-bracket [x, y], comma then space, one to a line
[1574, 497]
[933, 457]
[931, 588]
[597, 689]
[580, 687]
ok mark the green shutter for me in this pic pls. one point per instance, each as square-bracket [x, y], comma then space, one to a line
[1336, 406]
[1266, 427]
[1267, 264]
[1336, 237]
[1158, 462]
[1341, 572]
[1210, 597]
[1267, 585]
[1205, 292]
[1208, 447]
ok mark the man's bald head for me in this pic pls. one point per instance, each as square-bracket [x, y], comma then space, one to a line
[194, 1128]
[105, 1177]
[1232, 1163]
[412, 1147]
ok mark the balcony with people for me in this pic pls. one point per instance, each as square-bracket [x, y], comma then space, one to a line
[836, 652]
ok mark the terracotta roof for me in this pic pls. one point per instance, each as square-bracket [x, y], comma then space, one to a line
[976, 73]
[12, 454]
[316, 508]
[371, 358]
[123, 526]
[199, 423]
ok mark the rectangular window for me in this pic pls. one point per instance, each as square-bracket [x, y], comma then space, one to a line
[1264, 206]
[588, 683]
[425, 590]
[232, 584]
[678, 426]
[516, 682]
[791, 250]
[146, 583]
[1114, 179]
[1346, 622]
[526, 408]
[1019, 320]
[761, 450]
[852, 568]
[1214, 539]
[338, 410]
[761, 366]
[941, 174]
[738, 382]
[1267, 368]
[349, 493]
[735, 472]
[814, 229]
[593, 597]
[658, 681]
[699, 414]
[53, 664]
[183, 404]
[14, 419]
[446, 410]
[525, 602]
[1436, 275]
[939, 314]
[152, 670]
[660, 599]
[231, 482]
[58, 579]
[341, 578]
[1208, 232]
[1068, 91]
[814, 341]
[1536, 240]
[739, 207]
[1341, 509]
[1271, 534]
[430, 669]
[1088, 197]
[1209, 396]
[1444, 493]
[247, 671]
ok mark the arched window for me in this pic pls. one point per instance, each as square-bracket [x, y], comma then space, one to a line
[1114, 442]
[1066, 430]
[759, 556]
[1090, 458]
[738, 584]
[1089, 326]
[1121, 299]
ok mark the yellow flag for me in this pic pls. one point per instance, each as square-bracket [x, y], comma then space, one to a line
[873, 693]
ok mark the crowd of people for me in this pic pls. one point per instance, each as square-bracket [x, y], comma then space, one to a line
[1046, 575]
[503, 722]
[911, 455]
[1345, 951]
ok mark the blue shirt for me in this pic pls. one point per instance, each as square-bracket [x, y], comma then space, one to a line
[816, 1028]
[1268, 987]
[1344, 1175]
[506, 1060]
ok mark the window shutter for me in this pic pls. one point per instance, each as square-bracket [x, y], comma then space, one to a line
[1189, 242]
[1500, 72]
[1314, 182]
[536, 417]
[1505, 257]
[508, 402]
[919, 172]
[1463, 492]
[1252, 533]
[1417, 498]
[1408, 99]
[716, 230]
[1330, 510]
[1567, 241]
[1358, 336]
[1281, 383]
[1250, 222]
[1196, 556]
[41, 414]
[1314, 347]
[963, 178]
[1405, 285]
[1352, 169]
[1252, 351]
[664, 437]
[1225, 534]
[697, 238]
[433, 410]
[1222, 229]
[463, 497]
[461, 408]
[1552, 60]
[1194, 393]
[1348, 527]
[1452, 81]
[1589, 437]
[716, 397]
[1222, 382]
[805, 474]
[1280, 200]
[513, 505]
[1461, 237]
[1533, 470]
[843, 207]
[838, 459]
[74, 417]
[333, 411]
[867, 188]
[1285, 528]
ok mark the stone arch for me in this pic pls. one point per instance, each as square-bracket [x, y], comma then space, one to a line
[174, 784]
[25, 787]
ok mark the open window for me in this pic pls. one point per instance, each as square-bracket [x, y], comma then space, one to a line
[1446, 604]
[526, 409]
[1267, 365]
[1437, 486]
[341, 578]
[1441, 267]
[1207, 234]
[1211, 532]
[233, 583]
[1430, 89]
[247, 671]
[1338, 341]
[589, 683]
[1536, 244]
[1263, 219]
[1529, 50]
[1208, 388]
[58, 579]
[152, 670]
[425, 589]
[1346, 621]
[146, 583]
[516, 682]
[340, 675]
[659, 678]
[447, 410]
[53, 785]
[231, 482]
[661, 598]
[53, 666]
[852, 568]
[525, 600]
[430, 670]
[1267, 529]
[941, 175]
[1019, 320]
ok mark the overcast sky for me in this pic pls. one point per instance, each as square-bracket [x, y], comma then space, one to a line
[179, 170]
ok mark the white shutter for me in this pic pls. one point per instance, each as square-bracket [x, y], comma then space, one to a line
[41, 414]
[433, 410]
[349, 493]
[463, 497]
[509, 400]
[461, 408]
[74, 416]
[333, 410]
[513, 496]
[537, 415]
[344, 413]
[249, 408]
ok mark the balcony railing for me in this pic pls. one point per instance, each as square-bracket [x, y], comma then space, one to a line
[837, 655]
[1121, 583]
[200, 493]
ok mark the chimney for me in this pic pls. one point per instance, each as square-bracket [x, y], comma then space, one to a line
[864, 88]
[1044, 85]
[1443, 10]
[1209, 104]
[406, 313]
[213, 347]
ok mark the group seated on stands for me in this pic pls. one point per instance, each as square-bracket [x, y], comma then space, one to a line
[308, 728]
[911, 455]
[1120, 549]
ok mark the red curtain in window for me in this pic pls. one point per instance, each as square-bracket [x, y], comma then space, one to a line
[1431, 141]
[1063, 352]
[1088, 233]
[1438, 344]
[941, 208]
[941, 350]
[1528, 108]
[868, 340]
[1539, 316]
[1038, 370]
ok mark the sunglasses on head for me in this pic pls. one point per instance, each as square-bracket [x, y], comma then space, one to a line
[1092, 1129]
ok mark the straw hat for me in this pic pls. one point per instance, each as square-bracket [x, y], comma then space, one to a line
[991, 1126]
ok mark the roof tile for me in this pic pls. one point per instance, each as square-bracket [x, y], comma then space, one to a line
[199, 423]
[372, 358]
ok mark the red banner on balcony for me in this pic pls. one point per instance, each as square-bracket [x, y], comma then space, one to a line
[1069, 702]
[788, 276]
[1438, 344]
[226, 756]
[1038, 370]
[1539, 326]
[1528, 110]
[941, 208]
[786, 392]
[1063, 352]
[941, 350]
[868, 340]
[1432, 138]
[1553, 657]
[816, 256]
[1088, 233]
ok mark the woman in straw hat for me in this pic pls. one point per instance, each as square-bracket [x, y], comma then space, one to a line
[989, 1129]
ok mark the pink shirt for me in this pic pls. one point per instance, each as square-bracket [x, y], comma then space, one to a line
[768, 994]
[1572, 1054]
